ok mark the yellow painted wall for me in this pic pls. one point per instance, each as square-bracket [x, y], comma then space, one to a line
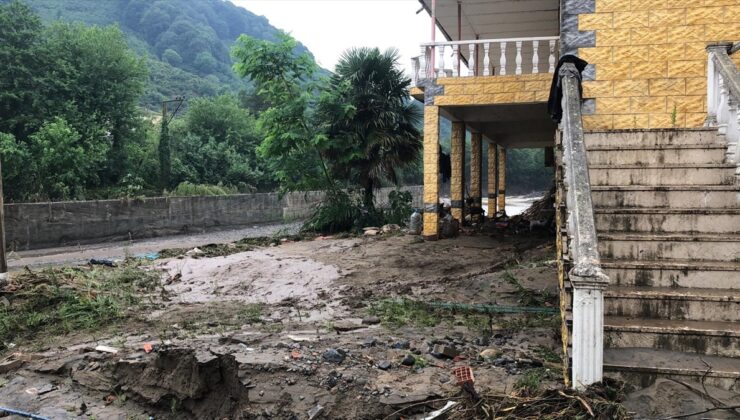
[487, 90]
[650, 59]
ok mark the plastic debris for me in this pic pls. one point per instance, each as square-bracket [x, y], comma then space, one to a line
[106, 349]
[102, 261]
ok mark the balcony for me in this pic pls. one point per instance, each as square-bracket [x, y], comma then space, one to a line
[485, 57]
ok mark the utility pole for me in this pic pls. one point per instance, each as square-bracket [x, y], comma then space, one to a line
[165, 163]
[3, 260]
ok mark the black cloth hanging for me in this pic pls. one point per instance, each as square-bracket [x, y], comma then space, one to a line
[554, 104]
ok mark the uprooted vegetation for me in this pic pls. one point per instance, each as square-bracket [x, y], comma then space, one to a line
[67, 299]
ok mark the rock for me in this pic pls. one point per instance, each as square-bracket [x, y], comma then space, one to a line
[503, 361]
[409, 360]
[441, 350]
[490, 354]
[371, 320]
[371, 232]
[4, 301]
[333, 356]
[370, 228]
[194, 251]
[10, 365]
[403, 344]
[106, 349]
[315, 412]
[390, 228]
[45, 389]
[346, 325]
[369, 342]
[384, 365]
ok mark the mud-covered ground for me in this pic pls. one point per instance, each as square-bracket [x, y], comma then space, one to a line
[337, 326]
[353, 328]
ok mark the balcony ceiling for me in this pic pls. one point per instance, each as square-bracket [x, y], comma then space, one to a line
[492, 19]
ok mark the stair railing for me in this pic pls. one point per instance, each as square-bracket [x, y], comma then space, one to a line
[723, 98]
[586, 278]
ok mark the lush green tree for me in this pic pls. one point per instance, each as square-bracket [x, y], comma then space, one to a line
[165, 157]
[63, 162]
[20, 35]
[171, 57]
[379, 135]
[86, 77]
[93, 73]
[215, 142]
[294, 134]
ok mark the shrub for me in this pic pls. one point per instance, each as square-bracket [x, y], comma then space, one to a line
[185, 189]
[400, 207]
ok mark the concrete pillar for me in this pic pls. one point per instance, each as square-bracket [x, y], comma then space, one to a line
[492, 180]
[501, 179]
[457, 180]
[476, 161]
[431, 172]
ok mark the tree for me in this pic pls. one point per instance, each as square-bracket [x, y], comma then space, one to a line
[216, 142]
[380, 135]
[165, 162]
[294, 135]
[63, 163]
[171, 57]
[20, 31]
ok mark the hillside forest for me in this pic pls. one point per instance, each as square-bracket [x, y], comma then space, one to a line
[82, 90]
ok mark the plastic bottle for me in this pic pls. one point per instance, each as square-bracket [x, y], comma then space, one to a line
[415, 224]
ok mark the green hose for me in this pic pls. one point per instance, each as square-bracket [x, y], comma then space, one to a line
[493, 309]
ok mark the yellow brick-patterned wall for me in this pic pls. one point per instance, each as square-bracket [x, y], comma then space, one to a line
[650, 60]
[486, 90]
[431, 170]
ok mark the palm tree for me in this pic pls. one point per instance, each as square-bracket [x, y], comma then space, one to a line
[381, 126]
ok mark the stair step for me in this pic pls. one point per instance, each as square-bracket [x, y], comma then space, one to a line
[668, 220]
[643, 366]
[702, 337]
[652, 154]
[692, 304]
[652, 137]
[669, 246]
[674, 273]
[697, 196]
[689, 174]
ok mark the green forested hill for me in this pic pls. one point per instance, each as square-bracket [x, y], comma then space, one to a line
[186, 42]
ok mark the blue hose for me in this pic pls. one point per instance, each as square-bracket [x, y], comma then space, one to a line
[22, 413]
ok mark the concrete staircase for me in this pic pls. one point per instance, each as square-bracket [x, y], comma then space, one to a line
[667, 210]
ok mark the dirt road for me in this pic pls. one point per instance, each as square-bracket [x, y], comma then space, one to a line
[120, 249]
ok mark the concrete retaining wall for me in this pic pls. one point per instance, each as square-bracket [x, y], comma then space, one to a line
[41, 225]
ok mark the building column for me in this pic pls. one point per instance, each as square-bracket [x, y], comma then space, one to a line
[431, 173]
[476, 161]
[492, 180]
[501, 179]
[457, 179]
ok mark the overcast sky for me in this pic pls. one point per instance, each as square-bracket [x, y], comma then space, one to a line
[328, 27]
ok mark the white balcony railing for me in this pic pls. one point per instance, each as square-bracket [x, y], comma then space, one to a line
[486, 57]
